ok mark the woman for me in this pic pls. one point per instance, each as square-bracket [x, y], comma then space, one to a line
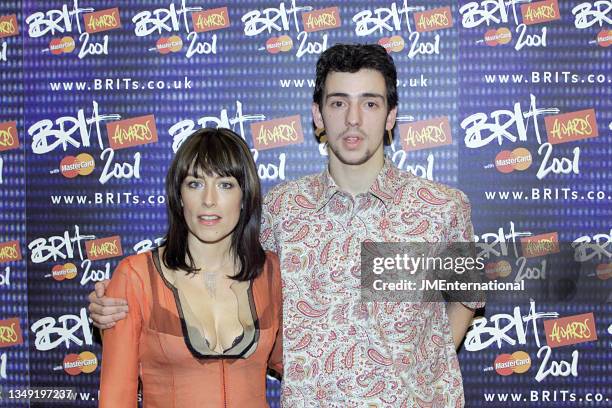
[204, 307]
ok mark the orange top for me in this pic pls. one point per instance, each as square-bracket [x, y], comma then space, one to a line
[150, 343]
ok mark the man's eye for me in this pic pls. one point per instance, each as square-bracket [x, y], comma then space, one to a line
[337, 104]
[371, 104]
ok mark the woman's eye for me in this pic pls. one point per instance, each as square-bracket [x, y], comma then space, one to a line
[194, 184]
[226, 185]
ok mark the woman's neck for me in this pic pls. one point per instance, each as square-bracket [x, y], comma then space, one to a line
[211, 256]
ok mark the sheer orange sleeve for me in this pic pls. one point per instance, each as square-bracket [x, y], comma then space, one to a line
[120, 365]
[275, 362]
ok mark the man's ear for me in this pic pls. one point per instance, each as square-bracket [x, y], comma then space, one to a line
[316, 116]
[391, 116]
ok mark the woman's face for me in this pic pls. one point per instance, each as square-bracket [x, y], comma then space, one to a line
[211, 206]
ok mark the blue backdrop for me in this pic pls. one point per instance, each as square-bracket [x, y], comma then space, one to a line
[525, 88]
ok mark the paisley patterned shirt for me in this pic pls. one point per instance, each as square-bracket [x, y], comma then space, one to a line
[339, 352]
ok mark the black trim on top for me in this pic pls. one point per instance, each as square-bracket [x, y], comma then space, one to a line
[194, 352]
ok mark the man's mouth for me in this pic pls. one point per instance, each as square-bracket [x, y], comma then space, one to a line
[352, 140]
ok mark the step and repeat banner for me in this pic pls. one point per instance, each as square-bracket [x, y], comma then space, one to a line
[508, 100]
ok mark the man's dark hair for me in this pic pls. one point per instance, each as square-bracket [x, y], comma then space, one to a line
[223, 153]
[351, 58]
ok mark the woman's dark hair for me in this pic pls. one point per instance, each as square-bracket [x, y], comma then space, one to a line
[223, 153]
[352, 58]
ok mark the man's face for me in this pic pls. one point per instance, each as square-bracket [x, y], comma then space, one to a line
[354, 115]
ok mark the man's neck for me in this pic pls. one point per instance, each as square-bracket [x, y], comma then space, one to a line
[355, 179]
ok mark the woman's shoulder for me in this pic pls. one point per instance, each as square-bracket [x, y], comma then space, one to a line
[131, 272]
[137, 263]
[272, 266]
[271, 269]
[272, 258]
[268, 283]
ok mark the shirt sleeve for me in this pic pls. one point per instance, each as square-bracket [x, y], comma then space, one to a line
[275, 361]
[462, 230]
[120, 364]
[268, 212]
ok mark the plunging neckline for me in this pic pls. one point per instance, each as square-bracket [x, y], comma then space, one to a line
[242, 346]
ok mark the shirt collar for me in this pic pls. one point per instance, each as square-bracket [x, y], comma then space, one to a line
[385, 185]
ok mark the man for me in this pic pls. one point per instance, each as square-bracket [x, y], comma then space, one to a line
[338, 351]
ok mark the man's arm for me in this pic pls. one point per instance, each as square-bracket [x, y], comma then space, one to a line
[460, 314]
[105, 311]
[460, 318]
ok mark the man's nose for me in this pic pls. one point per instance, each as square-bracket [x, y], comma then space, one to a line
[353, 115]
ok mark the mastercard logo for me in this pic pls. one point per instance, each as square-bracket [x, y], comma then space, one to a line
[166, 45]
[392, 44]
[500, 36]
[507, 161]
[604, 38]
[500, 269]
[61, 45]
[604, 271]
[83, 165]
[518, 362]
[66, 271]
[85, 362]
[274, 45]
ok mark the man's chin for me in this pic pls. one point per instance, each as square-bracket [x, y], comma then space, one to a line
[353, 158]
